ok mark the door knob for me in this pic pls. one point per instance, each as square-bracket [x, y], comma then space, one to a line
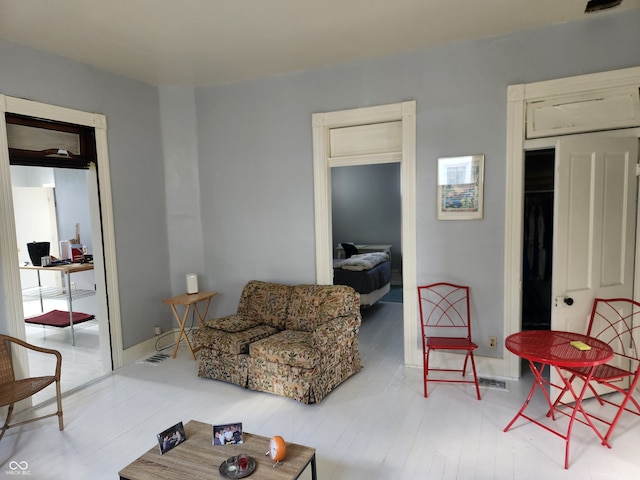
[568, 301]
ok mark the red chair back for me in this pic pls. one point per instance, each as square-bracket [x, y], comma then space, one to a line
[444, 310]
[616, 321]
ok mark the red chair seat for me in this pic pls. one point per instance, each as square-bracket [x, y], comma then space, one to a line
[450, 343]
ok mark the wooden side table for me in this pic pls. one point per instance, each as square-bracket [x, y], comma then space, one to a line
[188, 300]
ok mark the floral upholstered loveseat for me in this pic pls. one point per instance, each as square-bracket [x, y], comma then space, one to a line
[298, 341]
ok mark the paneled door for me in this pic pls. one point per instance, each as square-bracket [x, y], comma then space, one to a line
[594, 226]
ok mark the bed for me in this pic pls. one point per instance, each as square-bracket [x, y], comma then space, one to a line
[369, 274]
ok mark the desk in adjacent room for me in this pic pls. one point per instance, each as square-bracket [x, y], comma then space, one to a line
[54, 293]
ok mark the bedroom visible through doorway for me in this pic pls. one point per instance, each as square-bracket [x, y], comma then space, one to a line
[366, 209]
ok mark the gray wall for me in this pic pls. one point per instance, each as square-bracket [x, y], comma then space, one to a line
[366, 207]
[72, 205]
[137, 174]
[255, 149]
[255, 175]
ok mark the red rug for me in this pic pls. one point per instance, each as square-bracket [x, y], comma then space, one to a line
[59, 318]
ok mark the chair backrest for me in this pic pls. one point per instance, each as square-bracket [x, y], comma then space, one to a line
[444, 310]
[6, 366]
[616, 321]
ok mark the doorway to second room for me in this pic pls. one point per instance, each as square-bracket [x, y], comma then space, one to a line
[537, 249]
[366, 211]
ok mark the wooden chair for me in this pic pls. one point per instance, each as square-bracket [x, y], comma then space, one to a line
[615, 321]
[13, 390]
[445, 321]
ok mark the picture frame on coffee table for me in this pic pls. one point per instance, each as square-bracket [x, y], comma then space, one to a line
[228, 434]
[171, 438]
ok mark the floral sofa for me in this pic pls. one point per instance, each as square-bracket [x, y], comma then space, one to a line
[298, 341]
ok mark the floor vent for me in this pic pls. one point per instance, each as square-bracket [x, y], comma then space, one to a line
[155, 359]
[492, 383]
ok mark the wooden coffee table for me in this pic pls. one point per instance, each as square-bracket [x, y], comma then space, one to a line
[197, 458]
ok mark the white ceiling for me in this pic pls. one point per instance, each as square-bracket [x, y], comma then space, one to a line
[208, 42]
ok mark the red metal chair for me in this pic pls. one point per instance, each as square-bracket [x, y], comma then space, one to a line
[615, 321]
[445, 320]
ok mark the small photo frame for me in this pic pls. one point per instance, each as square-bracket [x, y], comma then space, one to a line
[171, 438]
[460, 188]
[228, 434]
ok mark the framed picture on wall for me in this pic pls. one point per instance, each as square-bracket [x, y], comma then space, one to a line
[460, 188]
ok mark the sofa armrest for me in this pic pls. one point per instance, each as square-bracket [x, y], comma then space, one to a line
[214, 322]
[336, 331]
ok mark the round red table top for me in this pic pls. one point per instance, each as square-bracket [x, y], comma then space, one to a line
[553, 347]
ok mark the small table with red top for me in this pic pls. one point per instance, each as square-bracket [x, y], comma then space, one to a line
[553, 348]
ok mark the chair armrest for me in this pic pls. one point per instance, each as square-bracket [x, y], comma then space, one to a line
[335, 331]
[35, 348]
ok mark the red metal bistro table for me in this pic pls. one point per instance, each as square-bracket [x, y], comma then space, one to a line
[553, 348]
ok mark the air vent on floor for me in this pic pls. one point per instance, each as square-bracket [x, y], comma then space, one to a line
[154, 359]
[492, 383]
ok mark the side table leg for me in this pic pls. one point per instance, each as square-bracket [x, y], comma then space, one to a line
[182, 332]
[202, 317]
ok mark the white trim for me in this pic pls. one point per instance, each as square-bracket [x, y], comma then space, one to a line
[321, 124]
[8, 267]
[517, 98]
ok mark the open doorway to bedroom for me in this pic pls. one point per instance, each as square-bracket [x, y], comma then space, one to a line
[366, 210]
[388, 135]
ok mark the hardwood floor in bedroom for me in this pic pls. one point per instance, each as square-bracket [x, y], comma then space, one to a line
[376, 425]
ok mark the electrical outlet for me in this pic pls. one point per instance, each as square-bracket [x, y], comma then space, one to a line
[73, 285]
[493, 342]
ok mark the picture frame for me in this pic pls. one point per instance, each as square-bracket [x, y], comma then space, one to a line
[228, 434]
[171, 438]
[460, 188]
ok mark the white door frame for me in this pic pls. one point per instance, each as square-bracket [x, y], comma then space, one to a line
[322, 163]
[517, 98]
[9, 270]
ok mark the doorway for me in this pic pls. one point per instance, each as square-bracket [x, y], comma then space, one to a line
[366, 208]
[44, 292]
[525, 133]
[537, 248]
[52, 166]
[398, 144]
[105, 266]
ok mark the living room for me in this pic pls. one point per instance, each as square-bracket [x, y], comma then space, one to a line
[218, 179]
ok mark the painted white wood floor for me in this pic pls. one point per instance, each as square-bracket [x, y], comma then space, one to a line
[376, 425]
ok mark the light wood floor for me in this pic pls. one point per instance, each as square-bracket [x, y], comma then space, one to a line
[376, 425]
[81, 363]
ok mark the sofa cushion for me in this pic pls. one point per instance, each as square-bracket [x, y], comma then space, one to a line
[289, 347]
[234, 340]
[233, 323]
[265, 302]
[314, 305]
